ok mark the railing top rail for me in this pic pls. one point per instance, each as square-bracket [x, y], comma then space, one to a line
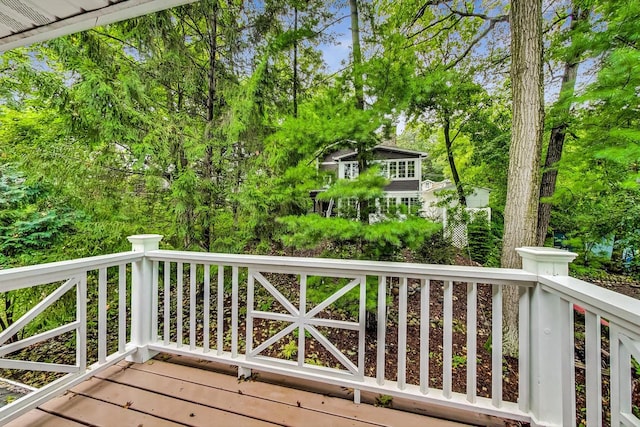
[609, 304]
[453, 272]
[20, 277]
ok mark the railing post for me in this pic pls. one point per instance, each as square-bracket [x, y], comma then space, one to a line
[141, 296]
[548, 355]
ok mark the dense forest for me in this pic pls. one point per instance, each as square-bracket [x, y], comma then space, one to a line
[205, 124]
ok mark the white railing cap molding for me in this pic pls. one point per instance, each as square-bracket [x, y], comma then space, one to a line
[20, 277]
[613, 306]
[546, 261]
[348, 266]
[144, 242]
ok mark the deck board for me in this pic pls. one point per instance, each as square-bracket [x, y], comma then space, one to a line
[227, 398]
[293, 397]
[160, 393]
[39, 418]
[158, 405]
[95, 412]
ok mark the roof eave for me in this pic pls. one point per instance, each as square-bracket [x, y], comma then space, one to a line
[383, 147]
[107, 15]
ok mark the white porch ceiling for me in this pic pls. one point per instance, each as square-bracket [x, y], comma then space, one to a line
[23, 22]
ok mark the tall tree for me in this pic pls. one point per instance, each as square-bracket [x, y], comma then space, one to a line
[521, 210]
[358, 83]
[560, 114]
[362, 145]
[456, 101]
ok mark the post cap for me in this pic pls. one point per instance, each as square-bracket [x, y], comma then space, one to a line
[546, 254]
[541, 260]
[145, 242]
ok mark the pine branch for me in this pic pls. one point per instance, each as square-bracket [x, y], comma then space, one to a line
[627, 42]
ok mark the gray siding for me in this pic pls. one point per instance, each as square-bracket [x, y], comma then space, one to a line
[329, 157]
[408, 185]
[332, 168]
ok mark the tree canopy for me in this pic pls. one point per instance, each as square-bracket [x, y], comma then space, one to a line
[205, 123]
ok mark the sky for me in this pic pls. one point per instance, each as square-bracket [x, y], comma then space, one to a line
[336, 54]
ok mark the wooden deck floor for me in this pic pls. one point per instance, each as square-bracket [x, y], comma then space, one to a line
[162, 393]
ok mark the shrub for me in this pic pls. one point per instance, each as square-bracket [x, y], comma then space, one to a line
[480, 238]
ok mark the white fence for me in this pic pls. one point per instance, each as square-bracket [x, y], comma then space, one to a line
[267, 313]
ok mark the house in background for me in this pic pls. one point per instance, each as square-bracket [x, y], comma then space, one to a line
[400, 166]
[438, 203]
[432, 194]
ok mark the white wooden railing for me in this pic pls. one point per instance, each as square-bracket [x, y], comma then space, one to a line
[218, 306]
[64, 278]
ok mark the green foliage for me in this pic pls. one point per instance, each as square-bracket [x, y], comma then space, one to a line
[368, 185]
[349, 239]
[383, 240]
[384, 401]
[289, 350]
[480, 239]
[321, 288]
[29, 222]
[458, 361]
[435, 249]
[147, 126]
[636, 366]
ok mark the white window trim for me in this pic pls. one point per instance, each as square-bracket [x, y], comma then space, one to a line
[342, 168]
[416, 171]
[398, 196]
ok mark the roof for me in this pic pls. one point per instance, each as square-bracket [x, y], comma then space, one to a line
[343, 154]
[23, 22]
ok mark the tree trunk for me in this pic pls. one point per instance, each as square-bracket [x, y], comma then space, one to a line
[558, 131]
[295, 63]
[358, 85]
[452, 162]
[357, 55]
[208, 224]
[521, 210]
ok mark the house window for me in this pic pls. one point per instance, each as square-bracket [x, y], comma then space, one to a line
[414, 205]
[383, 205]
[393, 205]
[384, 169]
[351, 170]
[401, 169]
[348, 208]
[411, 204]
[393, 167]
[411, 169]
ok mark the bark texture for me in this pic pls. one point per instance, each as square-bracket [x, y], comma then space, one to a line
[295, 64]
[362, 146]
[357, 55]
[521, 210]
[209, 195]
[562, 113]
